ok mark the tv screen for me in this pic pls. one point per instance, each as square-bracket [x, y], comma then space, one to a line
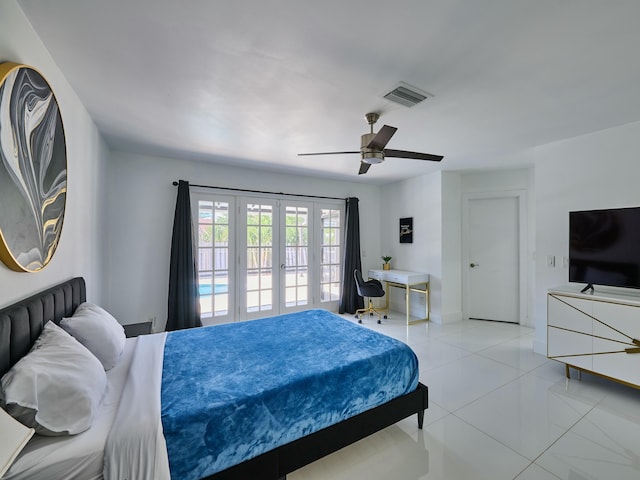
[604, 247]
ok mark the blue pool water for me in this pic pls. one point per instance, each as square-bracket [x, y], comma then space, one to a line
[205, 289]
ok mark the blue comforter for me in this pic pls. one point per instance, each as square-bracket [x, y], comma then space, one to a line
[232, 392]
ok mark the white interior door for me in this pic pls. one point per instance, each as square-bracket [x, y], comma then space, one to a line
[493, 256]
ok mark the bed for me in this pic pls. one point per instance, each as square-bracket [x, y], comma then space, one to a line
[295, 446]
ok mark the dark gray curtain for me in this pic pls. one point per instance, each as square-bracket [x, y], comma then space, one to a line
[351, 301]
[184, 301]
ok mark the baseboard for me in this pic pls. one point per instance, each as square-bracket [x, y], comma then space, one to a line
[451, 317]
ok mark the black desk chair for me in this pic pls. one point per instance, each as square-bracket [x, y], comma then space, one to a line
[370, 289]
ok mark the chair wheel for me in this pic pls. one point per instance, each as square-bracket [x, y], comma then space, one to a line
[355, 316]
[371, 314]
[385, 317]
[359, 320]
[379, 321]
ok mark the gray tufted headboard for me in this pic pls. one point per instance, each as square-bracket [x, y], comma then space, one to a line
[22, 322]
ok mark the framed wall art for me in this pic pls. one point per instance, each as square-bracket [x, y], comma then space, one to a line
[33, 169]
[406, 230]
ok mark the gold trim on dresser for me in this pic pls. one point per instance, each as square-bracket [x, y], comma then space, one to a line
[588, 333]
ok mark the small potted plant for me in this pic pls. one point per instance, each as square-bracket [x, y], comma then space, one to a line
[386, 265]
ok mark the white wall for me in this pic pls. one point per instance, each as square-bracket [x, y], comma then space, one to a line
[600, 170]
[451, 247]
[80, 250]
[420, 198]
[496, 181]
[435, 203]
[141, 204]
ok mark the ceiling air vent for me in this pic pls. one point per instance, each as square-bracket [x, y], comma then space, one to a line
[406, 95]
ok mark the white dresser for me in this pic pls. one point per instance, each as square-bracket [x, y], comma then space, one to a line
[598, 333]
[409, 282]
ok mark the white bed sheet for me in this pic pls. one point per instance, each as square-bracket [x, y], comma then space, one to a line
[80, 456]
[135, 448]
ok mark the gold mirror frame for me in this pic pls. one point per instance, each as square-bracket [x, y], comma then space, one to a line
[33, 169]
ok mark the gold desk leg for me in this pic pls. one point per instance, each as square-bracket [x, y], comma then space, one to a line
[386, 299]
[425, 292]
[427, 299]
[406, 299]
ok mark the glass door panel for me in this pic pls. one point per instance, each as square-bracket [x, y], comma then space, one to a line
[215, 276]
[259, 258]
[330, 255]
[295, 266]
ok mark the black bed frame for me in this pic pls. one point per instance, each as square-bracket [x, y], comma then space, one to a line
[22, 322]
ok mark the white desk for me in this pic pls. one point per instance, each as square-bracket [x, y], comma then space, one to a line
[410, 282]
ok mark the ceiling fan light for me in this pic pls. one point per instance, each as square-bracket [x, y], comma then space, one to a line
[373, 157]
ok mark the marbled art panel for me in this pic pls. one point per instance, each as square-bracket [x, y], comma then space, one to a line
[33, 169]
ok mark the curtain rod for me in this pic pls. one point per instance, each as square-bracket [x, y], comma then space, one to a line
[261, 191]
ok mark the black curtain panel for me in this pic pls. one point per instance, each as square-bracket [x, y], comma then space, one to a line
[184, 301]
[351, 301]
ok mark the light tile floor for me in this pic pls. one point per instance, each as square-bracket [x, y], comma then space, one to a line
[496, 411]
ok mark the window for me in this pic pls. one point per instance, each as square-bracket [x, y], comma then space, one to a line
[331, 254]
[259, 258]
[296, 262]
[214, 257]
[289, 256]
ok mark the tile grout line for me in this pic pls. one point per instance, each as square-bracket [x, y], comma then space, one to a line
[565, 432]
[531, 462]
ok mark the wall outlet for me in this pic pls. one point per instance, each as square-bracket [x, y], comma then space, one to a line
[551, 261]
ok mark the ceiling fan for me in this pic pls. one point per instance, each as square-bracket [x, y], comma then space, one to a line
[372, 147]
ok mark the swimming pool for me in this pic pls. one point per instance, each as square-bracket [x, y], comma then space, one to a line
[205, 289]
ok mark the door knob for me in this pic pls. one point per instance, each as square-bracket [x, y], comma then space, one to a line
[472, 265]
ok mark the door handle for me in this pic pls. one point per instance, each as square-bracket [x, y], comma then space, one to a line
[473, 265]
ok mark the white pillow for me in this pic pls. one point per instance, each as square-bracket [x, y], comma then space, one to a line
[57, 387]
[97, 330]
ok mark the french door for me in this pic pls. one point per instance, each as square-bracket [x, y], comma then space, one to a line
[274, 257]
[296, 269]
[265, 256]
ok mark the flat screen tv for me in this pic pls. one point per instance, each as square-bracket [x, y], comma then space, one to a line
[604, 247]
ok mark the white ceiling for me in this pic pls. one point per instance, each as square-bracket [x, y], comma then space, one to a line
[254, 82]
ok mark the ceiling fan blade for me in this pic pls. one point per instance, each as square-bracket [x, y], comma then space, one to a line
[382, 137]
[326, 153]
[364, 168]
[412, 155]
